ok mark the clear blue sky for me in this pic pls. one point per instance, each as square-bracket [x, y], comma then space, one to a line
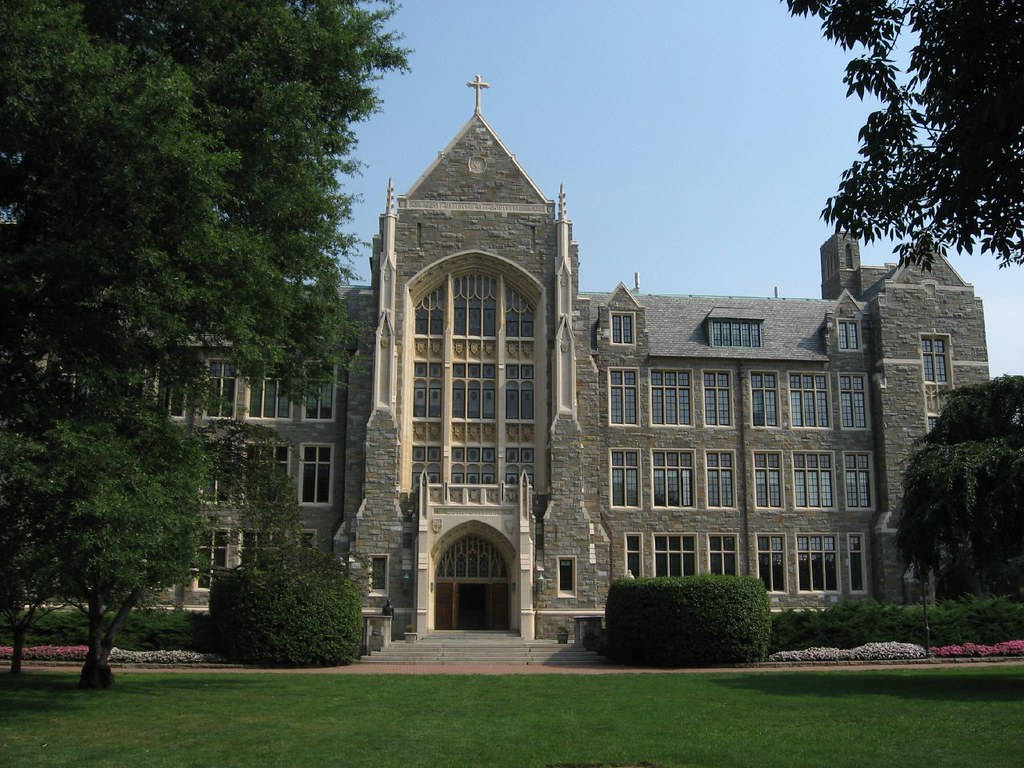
[697, 141]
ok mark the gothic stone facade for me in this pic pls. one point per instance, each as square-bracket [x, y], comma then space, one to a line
[506, 446]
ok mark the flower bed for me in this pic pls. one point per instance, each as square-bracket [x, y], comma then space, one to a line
[866, 652]
[1009, 648]
[78, 652]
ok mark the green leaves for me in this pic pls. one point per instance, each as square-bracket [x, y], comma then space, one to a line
[173, 172]
[964, 486]
[943, 159]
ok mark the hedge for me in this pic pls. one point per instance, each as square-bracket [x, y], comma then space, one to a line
[688, 621]
[853, 623]
[144, 630]
[308, 616]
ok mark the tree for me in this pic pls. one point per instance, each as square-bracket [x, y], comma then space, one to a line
[963, 505]
[257, 495]
[169, 174]
[127, 492]
[29, 539]
[169, 184]
[942, 159]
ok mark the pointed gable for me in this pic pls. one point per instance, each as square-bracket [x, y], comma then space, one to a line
[846, 305]
[477, 166]
[941, 272]
[622, 297]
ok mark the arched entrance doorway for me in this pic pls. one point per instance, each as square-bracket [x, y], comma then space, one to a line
[471, 586]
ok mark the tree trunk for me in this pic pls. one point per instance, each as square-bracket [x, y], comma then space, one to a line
[18, 650]
[96, 670]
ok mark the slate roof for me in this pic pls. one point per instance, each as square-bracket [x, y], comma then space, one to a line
[675, 326]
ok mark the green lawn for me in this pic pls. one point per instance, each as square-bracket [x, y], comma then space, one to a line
[969, 716]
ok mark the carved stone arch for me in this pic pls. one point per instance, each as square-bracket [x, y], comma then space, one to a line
[465, 262]
[482, 530]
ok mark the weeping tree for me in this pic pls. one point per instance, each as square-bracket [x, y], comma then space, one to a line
[963, 505]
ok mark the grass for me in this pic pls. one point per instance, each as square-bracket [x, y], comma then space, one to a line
[956, 717]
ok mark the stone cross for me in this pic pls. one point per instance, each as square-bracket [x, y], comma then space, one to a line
[479, 84]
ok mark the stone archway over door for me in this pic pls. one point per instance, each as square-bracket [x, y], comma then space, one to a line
[471, 586]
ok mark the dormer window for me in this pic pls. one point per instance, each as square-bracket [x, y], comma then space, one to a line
[622, 328]
[735, 333]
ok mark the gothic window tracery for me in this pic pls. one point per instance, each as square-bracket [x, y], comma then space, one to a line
[475, 306]
[430, 314]
[472, 558]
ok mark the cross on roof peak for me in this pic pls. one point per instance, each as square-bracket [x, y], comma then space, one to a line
[479, 84]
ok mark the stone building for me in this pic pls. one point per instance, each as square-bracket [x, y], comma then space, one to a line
[508, 445]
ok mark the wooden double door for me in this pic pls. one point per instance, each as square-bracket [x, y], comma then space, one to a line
[471, 605]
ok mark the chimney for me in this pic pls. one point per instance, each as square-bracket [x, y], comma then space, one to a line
[636, 281]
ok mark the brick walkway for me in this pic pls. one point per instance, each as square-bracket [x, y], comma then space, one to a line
[522, 669]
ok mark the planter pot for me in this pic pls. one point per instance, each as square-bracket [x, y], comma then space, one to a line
[563, 638]
[410, 637]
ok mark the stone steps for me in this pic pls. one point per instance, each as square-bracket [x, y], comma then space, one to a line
[483, 648]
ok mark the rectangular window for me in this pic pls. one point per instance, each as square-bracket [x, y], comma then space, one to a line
[316, 474]
[213, 555]
[719, 471]
[174, 402]
[566, 576]
[518, 392]
[473, 391]
[812, 479]
[222, 390]
[670, 397]
[816, 563]
[851, 401]
[625, 478]
[722, 554]
[858, 479]
[673, 478]
[933, 354]
[379, 574]
[849, 335]
[735, 333]
[622, 328]
[267, 401]
[320, 401]
[764, 399]
[674, 555]
[771, 562]
[622, 396]
[250, 547]
[808, 399]
[768, 479]
[634, 554]
[856, 549]
[716, 399]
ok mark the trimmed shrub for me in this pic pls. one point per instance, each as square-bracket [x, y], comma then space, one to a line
[144, 630]
[674, 622]
[853, 623]
[303, 616]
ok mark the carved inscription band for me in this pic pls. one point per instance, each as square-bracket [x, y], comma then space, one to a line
[466, 205]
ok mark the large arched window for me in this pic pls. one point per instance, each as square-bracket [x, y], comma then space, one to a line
[473, 388]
